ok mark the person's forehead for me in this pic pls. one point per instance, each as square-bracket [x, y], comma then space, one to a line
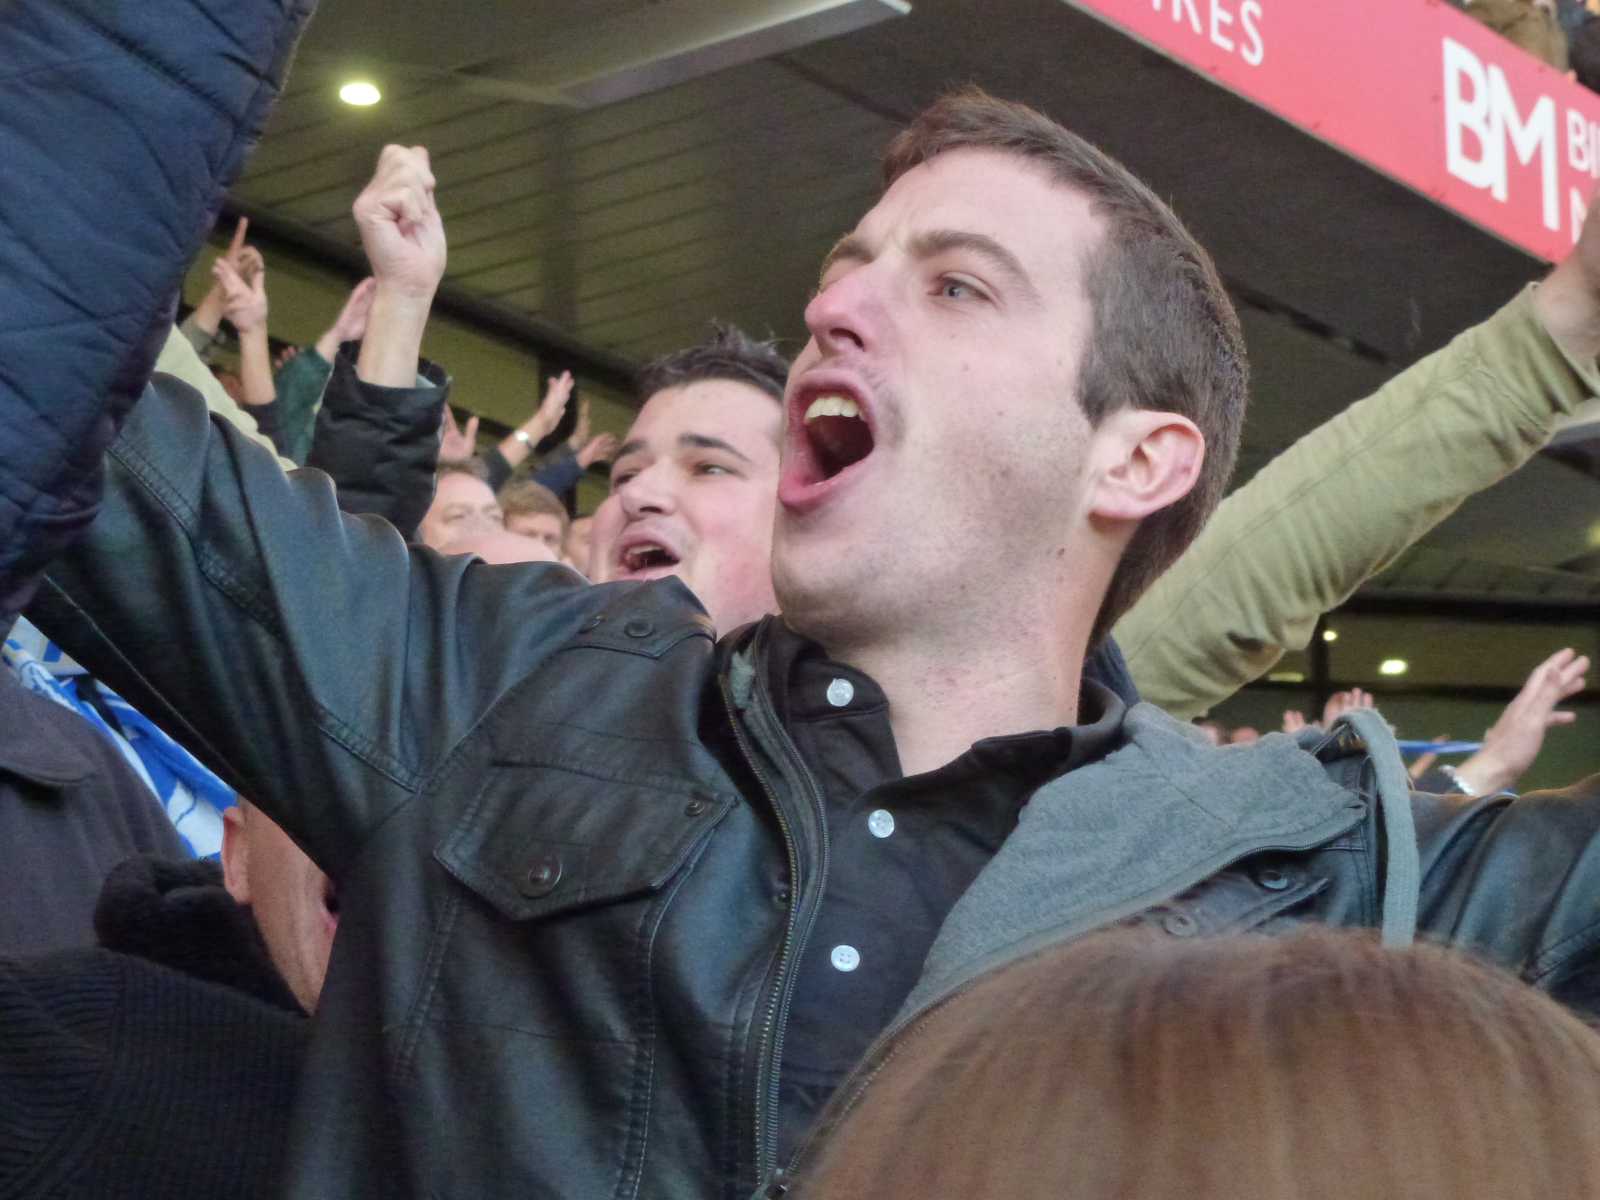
[738, 413]
[1040, 221]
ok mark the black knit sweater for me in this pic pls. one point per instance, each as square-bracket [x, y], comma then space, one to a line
[162, 1063]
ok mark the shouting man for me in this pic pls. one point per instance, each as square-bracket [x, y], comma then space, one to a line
[621, 904]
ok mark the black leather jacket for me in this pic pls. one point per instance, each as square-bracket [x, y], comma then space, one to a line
[577, 852]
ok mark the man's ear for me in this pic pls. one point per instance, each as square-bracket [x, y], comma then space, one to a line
[236, 854]
[1145, 461]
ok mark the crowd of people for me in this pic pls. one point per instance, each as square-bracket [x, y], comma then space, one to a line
[1563, 33]
[379, 828]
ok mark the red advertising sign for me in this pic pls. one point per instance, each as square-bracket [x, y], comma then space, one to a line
[1412, 87]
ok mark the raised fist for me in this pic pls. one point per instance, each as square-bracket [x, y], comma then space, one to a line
[400, 226]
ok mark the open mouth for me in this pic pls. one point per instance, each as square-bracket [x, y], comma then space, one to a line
[838, 434]
[646, 556]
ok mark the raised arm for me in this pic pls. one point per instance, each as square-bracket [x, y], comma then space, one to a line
[98, 235]
[380, 444]
[519, 443]
[1340, 504]
[245, 306]
[311, 658]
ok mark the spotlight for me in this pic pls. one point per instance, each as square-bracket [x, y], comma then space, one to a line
[1393, 666]
[1330, 635]
[360, 93]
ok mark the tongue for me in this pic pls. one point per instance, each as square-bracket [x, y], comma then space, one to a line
[839, 441]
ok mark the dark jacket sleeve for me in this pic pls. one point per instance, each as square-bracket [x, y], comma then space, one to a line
[312, 659]
[1515, 880]
[561, 473]
[380, 444]
[121, 127]
[496, 467]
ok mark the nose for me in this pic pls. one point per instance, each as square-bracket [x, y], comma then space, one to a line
[843, 315]
[649, 492]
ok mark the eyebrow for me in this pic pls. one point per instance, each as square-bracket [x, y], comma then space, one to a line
[850, 246]
[699, 441]
[692, 441]
[853, 247]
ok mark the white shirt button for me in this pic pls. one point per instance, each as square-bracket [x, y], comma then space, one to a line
[845, 958]
[841, 692]
[881, 823]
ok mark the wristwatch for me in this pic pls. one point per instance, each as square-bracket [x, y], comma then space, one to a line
[522, 436]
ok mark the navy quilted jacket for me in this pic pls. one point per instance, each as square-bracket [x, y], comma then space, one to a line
[121, 126]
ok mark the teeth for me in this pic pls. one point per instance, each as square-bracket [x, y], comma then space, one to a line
[831, 406]
[637, 555]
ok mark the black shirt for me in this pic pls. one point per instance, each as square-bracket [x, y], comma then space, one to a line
[901, 852]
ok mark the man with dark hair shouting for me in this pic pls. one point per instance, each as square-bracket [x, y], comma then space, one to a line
[622, 903]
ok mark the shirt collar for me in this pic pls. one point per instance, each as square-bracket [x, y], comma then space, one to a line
[801, 677]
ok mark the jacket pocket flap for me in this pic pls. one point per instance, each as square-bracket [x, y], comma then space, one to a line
[543, 840]
[1236, 901]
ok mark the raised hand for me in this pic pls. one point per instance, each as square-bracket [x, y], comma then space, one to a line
[404, 239]
[1513, 742]
[602, 447]
[1419, 766]
[351, 323]
[244, 303]
[1342, 702]
[248, 263]
[1567, 303]
[558, 390]
[457, 444]
[400, 226]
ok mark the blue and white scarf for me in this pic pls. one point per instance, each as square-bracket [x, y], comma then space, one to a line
[191, 795]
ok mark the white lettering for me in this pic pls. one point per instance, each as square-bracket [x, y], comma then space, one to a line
[1578, 157]
[1219, 29]
[1488, 112]
[1577, 210]
[1583, 144]
[1255, 50]
[1467, 114]
[1538, 136]
[1220, 17]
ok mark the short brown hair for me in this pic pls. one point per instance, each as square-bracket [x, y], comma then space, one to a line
[1242, 1068]
[729, 353]
[524, 497]
[473, 466]
[1164, 334]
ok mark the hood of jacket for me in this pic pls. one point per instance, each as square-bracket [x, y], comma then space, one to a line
[1160, 813]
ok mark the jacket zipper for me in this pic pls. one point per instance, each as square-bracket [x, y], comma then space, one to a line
[776, 1022]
